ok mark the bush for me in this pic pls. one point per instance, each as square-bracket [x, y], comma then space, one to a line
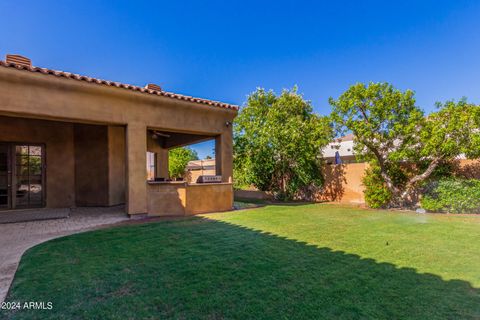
[453, 196]
[178, 159]
[376, 192]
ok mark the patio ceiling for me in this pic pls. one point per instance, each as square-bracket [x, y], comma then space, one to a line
[169, 140]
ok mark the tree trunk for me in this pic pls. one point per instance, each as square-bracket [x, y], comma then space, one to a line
[418, 178]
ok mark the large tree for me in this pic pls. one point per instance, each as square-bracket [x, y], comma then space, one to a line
[277, 143]
[390, 129]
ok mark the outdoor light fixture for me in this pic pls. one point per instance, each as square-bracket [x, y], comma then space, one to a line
[227, 124]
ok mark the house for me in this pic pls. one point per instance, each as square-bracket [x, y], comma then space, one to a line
[339, 151]
[69, 140]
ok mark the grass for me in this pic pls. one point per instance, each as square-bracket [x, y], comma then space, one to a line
[274, 262]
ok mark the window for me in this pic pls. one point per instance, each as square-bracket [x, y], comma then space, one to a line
[150, 166]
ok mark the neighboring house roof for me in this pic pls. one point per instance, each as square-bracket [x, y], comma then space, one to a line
[206, 164]
[22, 63]
[344, 146]
[348, 137]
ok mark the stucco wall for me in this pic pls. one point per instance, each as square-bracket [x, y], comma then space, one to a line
[91, 165]
[179, 199]
[252, 194]
[99, 165]
[161, 157]
[343, 183]
[203, 198]
[167, 199]
[116, 165]
[59, 148]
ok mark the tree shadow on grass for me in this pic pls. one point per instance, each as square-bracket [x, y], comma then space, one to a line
[198, 268]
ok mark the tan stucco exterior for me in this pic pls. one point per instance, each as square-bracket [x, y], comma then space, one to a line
[77, 169]
[121, 118]
[60, 163]
[182, 199]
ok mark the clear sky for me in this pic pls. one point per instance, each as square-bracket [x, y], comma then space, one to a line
[223, 50]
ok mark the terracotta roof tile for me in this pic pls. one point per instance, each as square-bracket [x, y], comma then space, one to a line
[117, 84]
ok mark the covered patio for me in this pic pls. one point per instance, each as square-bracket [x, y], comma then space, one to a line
[166, 197]
[72, 141]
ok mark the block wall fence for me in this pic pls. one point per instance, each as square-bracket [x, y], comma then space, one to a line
[343, 182]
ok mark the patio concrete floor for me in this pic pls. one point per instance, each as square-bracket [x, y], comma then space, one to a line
[16, 238]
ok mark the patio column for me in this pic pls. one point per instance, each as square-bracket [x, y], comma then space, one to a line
[162, 163]
[224, 155]
[136, 168]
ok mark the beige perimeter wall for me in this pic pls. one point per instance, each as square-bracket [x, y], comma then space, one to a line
[343, 182]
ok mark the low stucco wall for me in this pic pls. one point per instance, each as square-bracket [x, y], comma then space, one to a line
[180, 199]
[203, 198]
[252, 194]
[167, 199]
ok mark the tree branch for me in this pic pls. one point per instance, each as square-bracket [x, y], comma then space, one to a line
[420, 177]
[383, 168]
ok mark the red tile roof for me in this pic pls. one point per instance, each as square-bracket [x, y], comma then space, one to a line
[348, 137]
[74, 76]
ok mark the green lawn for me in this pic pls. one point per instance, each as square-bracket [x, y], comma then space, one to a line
[275, 262]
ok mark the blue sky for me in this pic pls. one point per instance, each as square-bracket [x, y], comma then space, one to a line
[223, 50]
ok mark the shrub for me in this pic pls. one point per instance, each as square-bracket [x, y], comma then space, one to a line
[453, 196]
[376, 192]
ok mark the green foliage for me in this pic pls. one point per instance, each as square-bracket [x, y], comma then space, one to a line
[277, 143]
[389, 128]
[377, 195]
[452, 130]
[453, 195]
[378, 115]
[178, 159]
